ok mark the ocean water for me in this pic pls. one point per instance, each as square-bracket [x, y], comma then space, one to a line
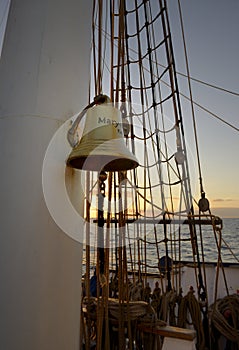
[230, 234]
[208, 249]
[207, 243]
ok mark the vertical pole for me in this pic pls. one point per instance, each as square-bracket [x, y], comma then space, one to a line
[167, 255]
[101, 245]
[101, 195]
[43, 70]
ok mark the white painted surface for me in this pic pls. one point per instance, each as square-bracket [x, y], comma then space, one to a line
[179, 344]
[232, 280]
[43, 73]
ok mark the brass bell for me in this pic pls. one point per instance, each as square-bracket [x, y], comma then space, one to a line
[102, 146]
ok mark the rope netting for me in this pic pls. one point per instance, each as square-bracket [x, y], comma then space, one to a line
[144, 225]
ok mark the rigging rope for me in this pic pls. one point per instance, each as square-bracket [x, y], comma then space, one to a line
[210, 85]
[158, 181]
[187, 98]
[191, 98]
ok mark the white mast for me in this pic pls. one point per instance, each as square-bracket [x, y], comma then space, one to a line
[43, 81]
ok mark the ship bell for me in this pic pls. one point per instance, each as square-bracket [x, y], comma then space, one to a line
[102, 146]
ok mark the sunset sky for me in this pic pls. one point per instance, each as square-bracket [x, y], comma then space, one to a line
[211, 33]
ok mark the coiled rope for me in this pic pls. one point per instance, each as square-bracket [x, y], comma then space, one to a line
[189, 306]
[225, 317]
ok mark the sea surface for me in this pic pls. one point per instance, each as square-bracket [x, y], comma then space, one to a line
[208, 249]
[229, 239]
[230, 235]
